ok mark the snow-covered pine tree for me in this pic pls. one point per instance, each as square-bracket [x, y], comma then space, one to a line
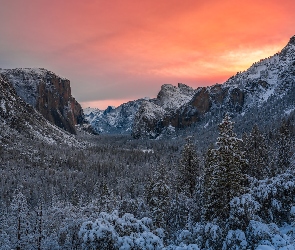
[188, 170]
[284, 148]
[21, 230]
[212, 193]
[158, 196]
[223, 173]
[256, 152]
[107, 200]
[4, 225]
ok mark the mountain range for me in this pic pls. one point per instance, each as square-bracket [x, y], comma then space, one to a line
[263, 92]
[260, 94]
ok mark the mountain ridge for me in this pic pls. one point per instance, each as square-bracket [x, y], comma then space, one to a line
[49, 94]
[270, 77]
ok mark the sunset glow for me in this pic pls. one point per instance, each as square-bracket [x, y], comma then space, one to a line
[114, 51]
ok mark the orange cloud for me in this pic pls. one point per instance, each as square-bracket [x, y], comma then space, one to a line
[119, 50]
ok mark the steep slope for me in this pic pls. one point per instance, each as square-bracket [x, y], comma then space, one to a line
[49, 94]
[20, 122]
[261, 93]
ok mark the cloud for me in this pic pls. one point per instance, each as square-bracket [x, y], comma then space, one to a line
[116, 50]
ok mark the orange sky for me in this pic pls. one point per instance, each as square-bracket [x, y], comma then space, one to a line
[114, 51]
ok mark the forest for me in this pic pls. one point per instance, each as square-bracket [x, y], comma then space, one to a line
[193, 191]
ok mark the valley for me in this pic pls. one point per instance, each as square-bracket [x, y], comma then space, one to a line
[205, 168]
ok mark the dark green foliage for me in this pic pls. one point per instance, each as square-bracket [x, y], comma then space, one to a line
[157, 194]
[256, 152]
[189, 169]
[223, 173]
[284, 148]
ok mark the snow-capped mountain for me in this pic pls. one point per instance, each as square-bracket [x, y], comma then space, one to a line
[113, 120]
[261, 93]
[21, 122]
[120, 119]
[47, 93]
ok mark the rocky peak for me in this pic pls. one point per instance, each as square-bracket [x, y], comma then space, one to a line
[108, 110]
[47, 93]
[171, 97]
[185, 89]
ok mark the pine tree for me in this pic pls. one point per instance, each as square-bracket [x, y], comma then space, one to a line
[39, 224]
[284, 148]
[256, 152]
[4, 225]
[223, 173]
[188, 169]
[212, 192]
[157, 193]
[21, 230]
[107, 200]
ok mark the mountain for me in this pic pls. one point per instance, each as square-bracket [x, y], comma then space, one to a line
[264, 92]
[120, 120]
[113, 120]
[47, 93]
[21, 124]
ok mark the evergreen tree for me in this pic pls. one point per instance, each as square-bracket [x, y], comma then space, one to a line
[284, 148]
[21, 230]
[39, 224]
[223, 173]
[212, 192]
[157, 194]
[256, 152]
[188, 169]
[107, 200]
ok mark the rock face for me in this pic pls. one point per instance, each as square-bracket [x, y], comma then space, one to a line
[49, 94]
[171, 97]
[152, 122]
[267, 83]
[19, 121]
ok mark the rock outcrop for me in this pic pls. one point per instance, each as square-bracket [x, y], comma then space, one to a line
[49, 94]
[19, 121]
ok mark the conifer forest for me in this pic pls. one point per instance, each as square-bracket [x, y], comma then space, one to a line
[225, 189]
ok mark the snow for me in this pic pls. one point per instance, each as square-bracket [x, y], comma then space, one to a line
[288, 111]
[3, 105]
[124, 233]
[148, 151]
[113, 120]
[292, 211]
[256, 71]
[27, 80]
[171, 97]
[264, 247]
[267, 94]
[206, 125]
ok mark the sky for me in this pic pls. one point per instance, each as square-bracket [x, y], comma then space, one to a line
[114, 51]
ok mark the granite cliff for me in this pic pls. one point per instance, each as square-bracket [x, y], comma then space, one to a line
[47, 93]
